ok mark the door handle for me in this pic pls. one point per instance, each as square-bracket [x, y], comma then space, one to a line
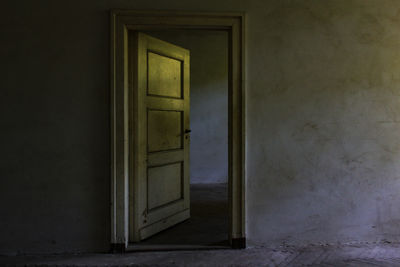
[187, 131]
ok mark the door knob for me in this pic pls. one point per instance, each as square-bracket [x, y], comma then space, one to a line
[187, 131]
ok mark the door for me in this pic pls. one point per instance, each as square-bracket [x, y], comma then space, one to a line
[161, 135]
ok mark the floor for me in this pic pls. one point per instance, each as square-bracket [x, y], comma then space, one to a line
[208, 223]
[378, 254]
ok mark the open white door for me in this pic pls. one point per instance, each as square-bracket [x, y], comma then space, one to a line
[161, 135]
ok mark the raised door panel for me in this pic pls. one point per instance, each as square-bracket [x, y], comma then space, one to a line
[164, 76]
[164, 130]
[164, 185]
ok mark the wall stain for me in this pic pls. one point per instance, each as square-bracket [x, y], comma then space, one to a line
[369, 30]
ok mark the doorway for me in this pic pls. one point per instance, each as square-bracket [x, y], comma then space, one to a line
[208, 224]
[124, 22]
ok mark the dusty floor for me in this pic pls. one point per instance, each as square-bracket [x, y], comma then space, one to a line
[344, 255]
[210, 201]
[208, 223]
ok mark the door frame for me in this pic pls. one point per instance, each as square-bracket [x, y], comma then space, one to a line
[123, 21]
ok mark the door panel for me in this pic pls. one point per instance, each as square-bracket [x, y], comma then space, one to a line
[164, 185]
[164, 130]
[160, 100]
[164, 76]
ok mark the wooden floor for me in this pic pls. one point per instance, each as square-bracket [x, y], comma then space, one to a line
[209, 226]
[335, 256]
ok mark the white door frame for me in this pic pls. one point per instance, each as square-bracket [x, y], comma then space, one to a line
[123, 21]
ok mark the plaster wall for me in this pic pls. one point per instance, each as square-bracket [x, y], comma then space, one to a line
[208, 101]
[322, 121]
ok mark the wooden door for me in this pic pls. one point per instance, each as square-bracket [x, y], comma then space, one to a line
[160, 101]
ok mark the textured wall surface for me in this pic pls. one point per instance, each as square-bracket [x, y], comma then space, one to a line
[208, 101]
[55, 133]
[323, 113]
[323, 146]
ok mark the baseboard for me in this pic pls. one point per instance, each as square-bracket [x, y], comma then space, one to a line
[118, 248]
[238, 243]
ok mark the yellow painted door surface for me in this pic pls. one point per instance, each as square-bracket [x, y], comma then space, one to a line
[160, 107]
